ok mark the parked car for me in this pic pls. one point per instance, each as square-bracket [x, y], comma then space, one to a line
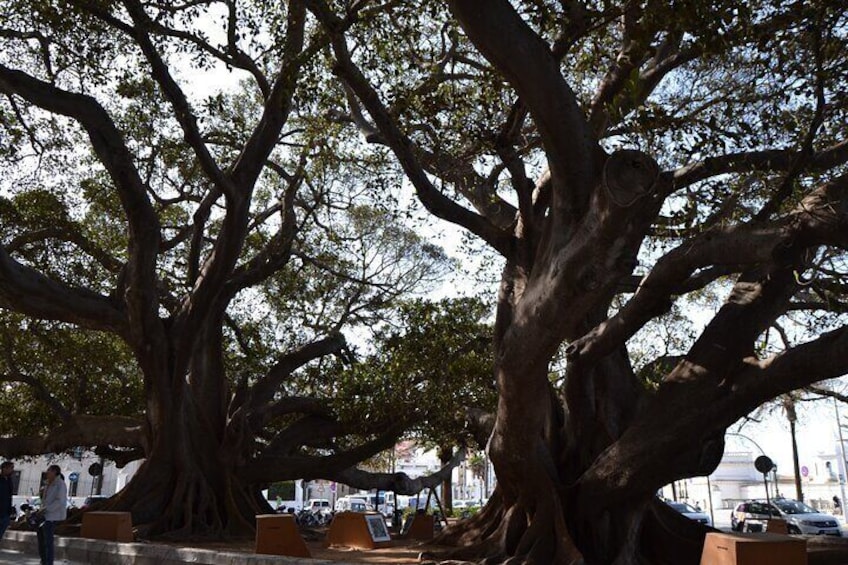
[317, 505]
[351, 504]
[751, 516]
[94, 499]
[690, 512]
[803, 519]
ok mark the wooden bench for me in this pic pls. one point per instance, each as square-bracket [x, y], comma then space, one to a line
[352, 529]
[112, 526]
[277, 534]
[423, 527]
[753, 549]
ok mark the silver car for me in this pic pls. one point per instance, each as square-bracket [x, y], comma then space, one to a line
[802, 519]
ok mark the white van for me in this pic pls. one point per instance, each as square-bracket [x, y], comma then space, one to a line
[317, 505]
[351, 504]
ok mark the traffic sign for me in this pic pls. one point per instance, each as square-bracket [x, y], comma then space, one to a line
[805, 471]
[74, 477]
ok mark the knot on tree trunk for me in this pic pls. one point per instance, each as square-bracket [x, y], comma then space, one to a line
[628, 175]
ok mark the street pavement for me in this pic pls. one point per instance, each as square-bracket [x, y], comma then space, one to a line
[10, 556]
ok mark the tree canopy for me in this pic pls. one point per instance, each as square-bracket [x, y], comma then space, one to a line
[188, 232]
[205, 166]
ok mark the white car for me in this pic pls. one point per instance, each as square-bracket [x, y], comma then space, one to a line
[752, 516]
[690, 512]
[802, 519]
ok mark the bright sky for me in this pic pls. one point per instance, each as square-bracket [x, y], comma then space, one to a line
[815, 432]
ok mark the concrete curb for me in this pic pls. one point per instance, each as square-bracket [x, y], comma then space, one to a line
[99, 552]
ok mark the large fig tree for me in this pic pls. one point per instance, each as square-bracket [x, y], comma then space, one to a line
[179, 245]
[623, 158]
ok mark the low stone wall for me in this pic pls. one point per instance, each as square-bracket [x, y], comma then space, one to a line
[98, 552]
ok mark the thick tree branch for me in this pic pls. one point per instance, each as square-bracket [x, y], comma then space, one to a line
[266, 469]
[819, 219]
[400, 483]
[757, 161]
[277, 252]
[108, 144]
[88, 431]
[25, 290]
[209, 293]
[263, 391]
[432, 199]
[182, 110]
[825, 357]
[121, 457]
[526, 61]
[478, 190]
[310, 431]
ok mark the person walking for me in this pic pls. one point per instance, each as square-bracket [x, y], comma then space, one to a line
[54, 504]
[6, 489]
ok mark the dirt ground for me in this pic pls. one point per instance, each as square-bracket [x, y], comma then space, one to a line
[820, 551]
[398, 552]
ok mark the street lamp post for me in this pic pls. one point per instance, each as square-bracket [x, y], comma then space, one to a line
[792, 416]
[757, 445]
[841, 468]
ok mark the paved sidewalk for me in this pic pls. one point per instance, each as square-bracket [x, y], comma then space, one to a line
[20, 547]
[10, 556]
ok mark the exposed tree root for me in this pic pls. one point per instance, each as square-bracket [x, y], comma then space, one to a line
[513, 536]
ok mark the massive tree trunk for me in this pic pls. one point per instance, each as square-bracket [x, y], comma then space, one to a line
[187, 485]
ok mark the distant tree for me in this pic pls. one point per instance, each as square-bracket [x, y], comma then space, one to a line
[431, 373]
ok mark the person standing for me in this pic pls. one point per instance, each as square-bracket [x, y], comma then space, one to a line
[6, 488]
[54, 504]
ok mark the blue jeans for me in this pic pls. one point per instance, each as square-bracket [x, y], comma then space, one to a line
[45, 542]
[4, 523]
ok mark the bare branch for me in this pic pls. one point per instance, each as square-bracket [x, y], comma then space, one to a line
[827, 393]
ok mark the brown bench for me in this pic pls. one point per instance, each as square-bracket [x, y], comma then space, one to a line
[753, 549]
[277, 534]
[112, 526]
[351, 529]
